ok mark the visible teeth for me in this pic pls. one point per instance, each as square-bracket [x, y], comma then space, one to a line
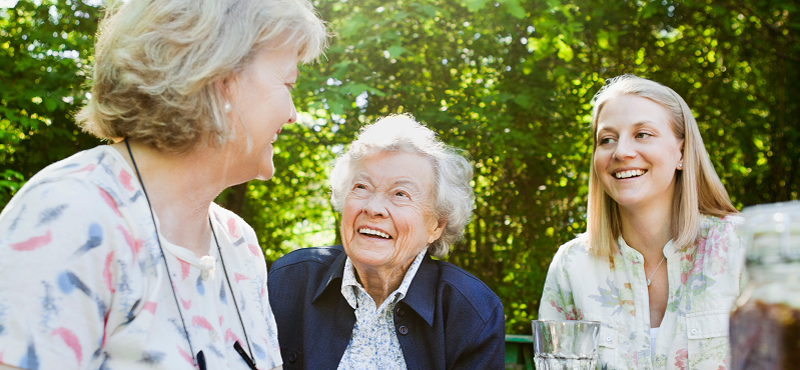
[627, 174]
[374, 232]
[275, 138]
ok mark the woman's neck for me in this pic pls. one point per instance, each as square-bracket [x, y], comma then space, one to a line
[647, 229]
[380, 282]
[180, 189]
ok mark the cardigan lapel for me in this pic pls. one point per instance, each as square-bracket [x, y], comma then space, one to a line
[421, 296]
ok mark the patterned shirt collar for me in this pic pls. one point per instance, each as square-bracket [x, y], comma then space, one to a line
[350, 285]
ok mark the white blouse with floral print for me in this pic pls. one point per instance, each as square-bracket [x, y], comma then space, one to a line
[374, 343]
[704, 280]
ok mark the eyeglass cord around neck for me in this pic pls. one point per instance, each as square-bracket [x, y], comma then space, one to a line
[199, 359]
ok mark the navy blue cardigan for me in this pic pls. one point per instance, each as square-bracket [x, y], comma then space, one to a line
[448, 320]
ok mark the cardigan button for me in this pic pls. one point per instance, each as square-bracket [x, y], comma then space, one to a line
[403, 330]
[694, 331]
[292, 357]
[608, 339]
[400, 311]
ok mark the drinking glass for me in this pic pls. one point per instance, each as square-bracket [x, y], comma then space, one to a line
[565, 345]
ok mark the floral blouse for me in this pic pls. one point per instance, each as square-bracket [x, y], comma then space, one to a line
[704, 280]
[83, 284]
[374, 343]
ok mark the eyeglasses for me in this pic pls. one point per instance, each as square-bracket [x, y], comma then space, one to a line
[201, 358]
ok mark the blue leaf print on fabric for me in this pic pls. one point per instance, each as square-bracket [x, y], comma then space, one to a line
[222, 296]
[30, 360]
[152, 357]
[238, 242]
[609, 297]
[200, 288]
[51, 214]
[95, 239]
[67, 281]
[17, 219]
[131, 316]
[259, 352]
[136, 196]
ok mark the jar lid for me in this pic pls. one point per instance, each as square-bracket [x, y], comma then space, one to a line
[772, 232]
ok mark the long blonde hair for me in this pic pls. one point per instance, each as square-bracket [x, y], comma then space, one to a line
[698, 189]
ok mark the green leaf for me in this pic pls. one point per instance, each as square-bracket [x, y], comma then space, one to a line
[396, 50]
[50, 104]
[565, 52]
[475, 5]
[523, 100]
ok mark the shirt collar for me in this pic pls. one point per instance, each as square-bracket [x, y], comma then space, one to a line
[350, 283]
[632, 254]
[421, 295]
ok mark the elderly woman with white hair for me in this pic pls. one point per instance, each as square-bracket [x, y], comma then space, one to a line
[381, 301]
[117, 257]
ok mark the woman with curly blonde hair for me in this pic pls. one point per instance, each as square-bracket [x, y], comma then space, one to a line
[117, 257]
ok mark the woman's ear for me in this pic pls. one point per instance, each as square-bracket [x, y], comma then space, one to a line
[437, 231]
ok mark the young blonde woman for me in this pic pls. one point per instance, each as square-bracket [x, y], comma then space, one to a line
[660, 263]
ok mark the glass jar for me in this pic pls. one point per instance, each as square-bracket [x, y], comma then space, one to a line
[765, 322]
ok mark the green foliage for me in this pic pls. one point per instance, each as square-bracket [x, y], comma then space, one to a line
[43, 50]
[508, 81]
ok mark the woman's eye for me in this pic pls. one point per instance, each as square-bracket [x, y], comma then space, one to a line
[607, 140]
[359, 186]
[401, 194]
[642, 135]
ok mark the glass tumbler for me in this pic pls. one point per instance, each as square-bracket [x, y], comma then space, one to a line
[565, 344]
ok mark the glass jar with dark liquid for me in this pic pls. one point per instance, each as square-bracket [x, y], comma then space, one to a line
[765, 322]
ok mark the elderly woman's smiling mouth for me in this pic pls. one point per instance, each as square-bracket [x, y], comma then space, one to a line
[374, 232]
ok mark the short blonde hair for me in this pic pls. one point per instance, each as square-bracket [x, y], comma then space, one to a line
[454, 197]
[159, 64]
[698, 189]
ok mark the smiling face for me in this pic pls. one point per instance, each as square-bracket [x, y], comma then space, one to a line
[388, 215]
[637, 152]
[261, 102]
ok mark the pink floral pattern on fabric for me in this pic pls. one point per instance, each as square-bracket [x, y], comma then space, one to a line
[81, 267]
[704, 279]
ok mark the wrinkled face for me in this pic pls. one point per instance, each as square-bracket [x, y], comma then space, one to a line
[388, 215]
[637, 152]
[261, 103]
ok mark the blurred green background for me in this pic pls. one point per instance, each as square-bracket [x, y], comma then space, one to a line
[508, 81]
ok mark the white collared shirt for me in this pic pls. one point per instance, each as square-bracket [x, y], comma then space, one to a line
[374, 343]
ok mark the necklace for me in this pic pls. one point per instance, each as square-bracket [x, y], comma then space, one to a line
[199, 359]
[654, 271]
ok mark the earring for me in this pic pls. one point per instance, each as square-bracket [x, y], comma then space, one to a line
[227, 107]
[680, 165]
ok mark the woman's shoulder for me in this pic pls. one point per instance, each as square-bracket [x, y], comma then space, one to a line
[84, 175]
[467, 284]
[576, 251]
[232, 224]
[322, 256]
[86, 178]
[713, 226]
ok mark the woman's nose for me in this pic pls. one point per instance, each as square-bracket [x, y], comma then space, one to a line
[374, 207]
[292, 114]
[624, 150]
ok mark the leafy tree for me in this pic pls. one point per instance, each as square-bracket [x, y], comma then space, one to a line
[508, 81]
[43, 50]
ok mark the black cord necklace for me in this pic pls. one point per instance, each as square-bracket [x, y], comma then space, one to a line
[199, 360]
